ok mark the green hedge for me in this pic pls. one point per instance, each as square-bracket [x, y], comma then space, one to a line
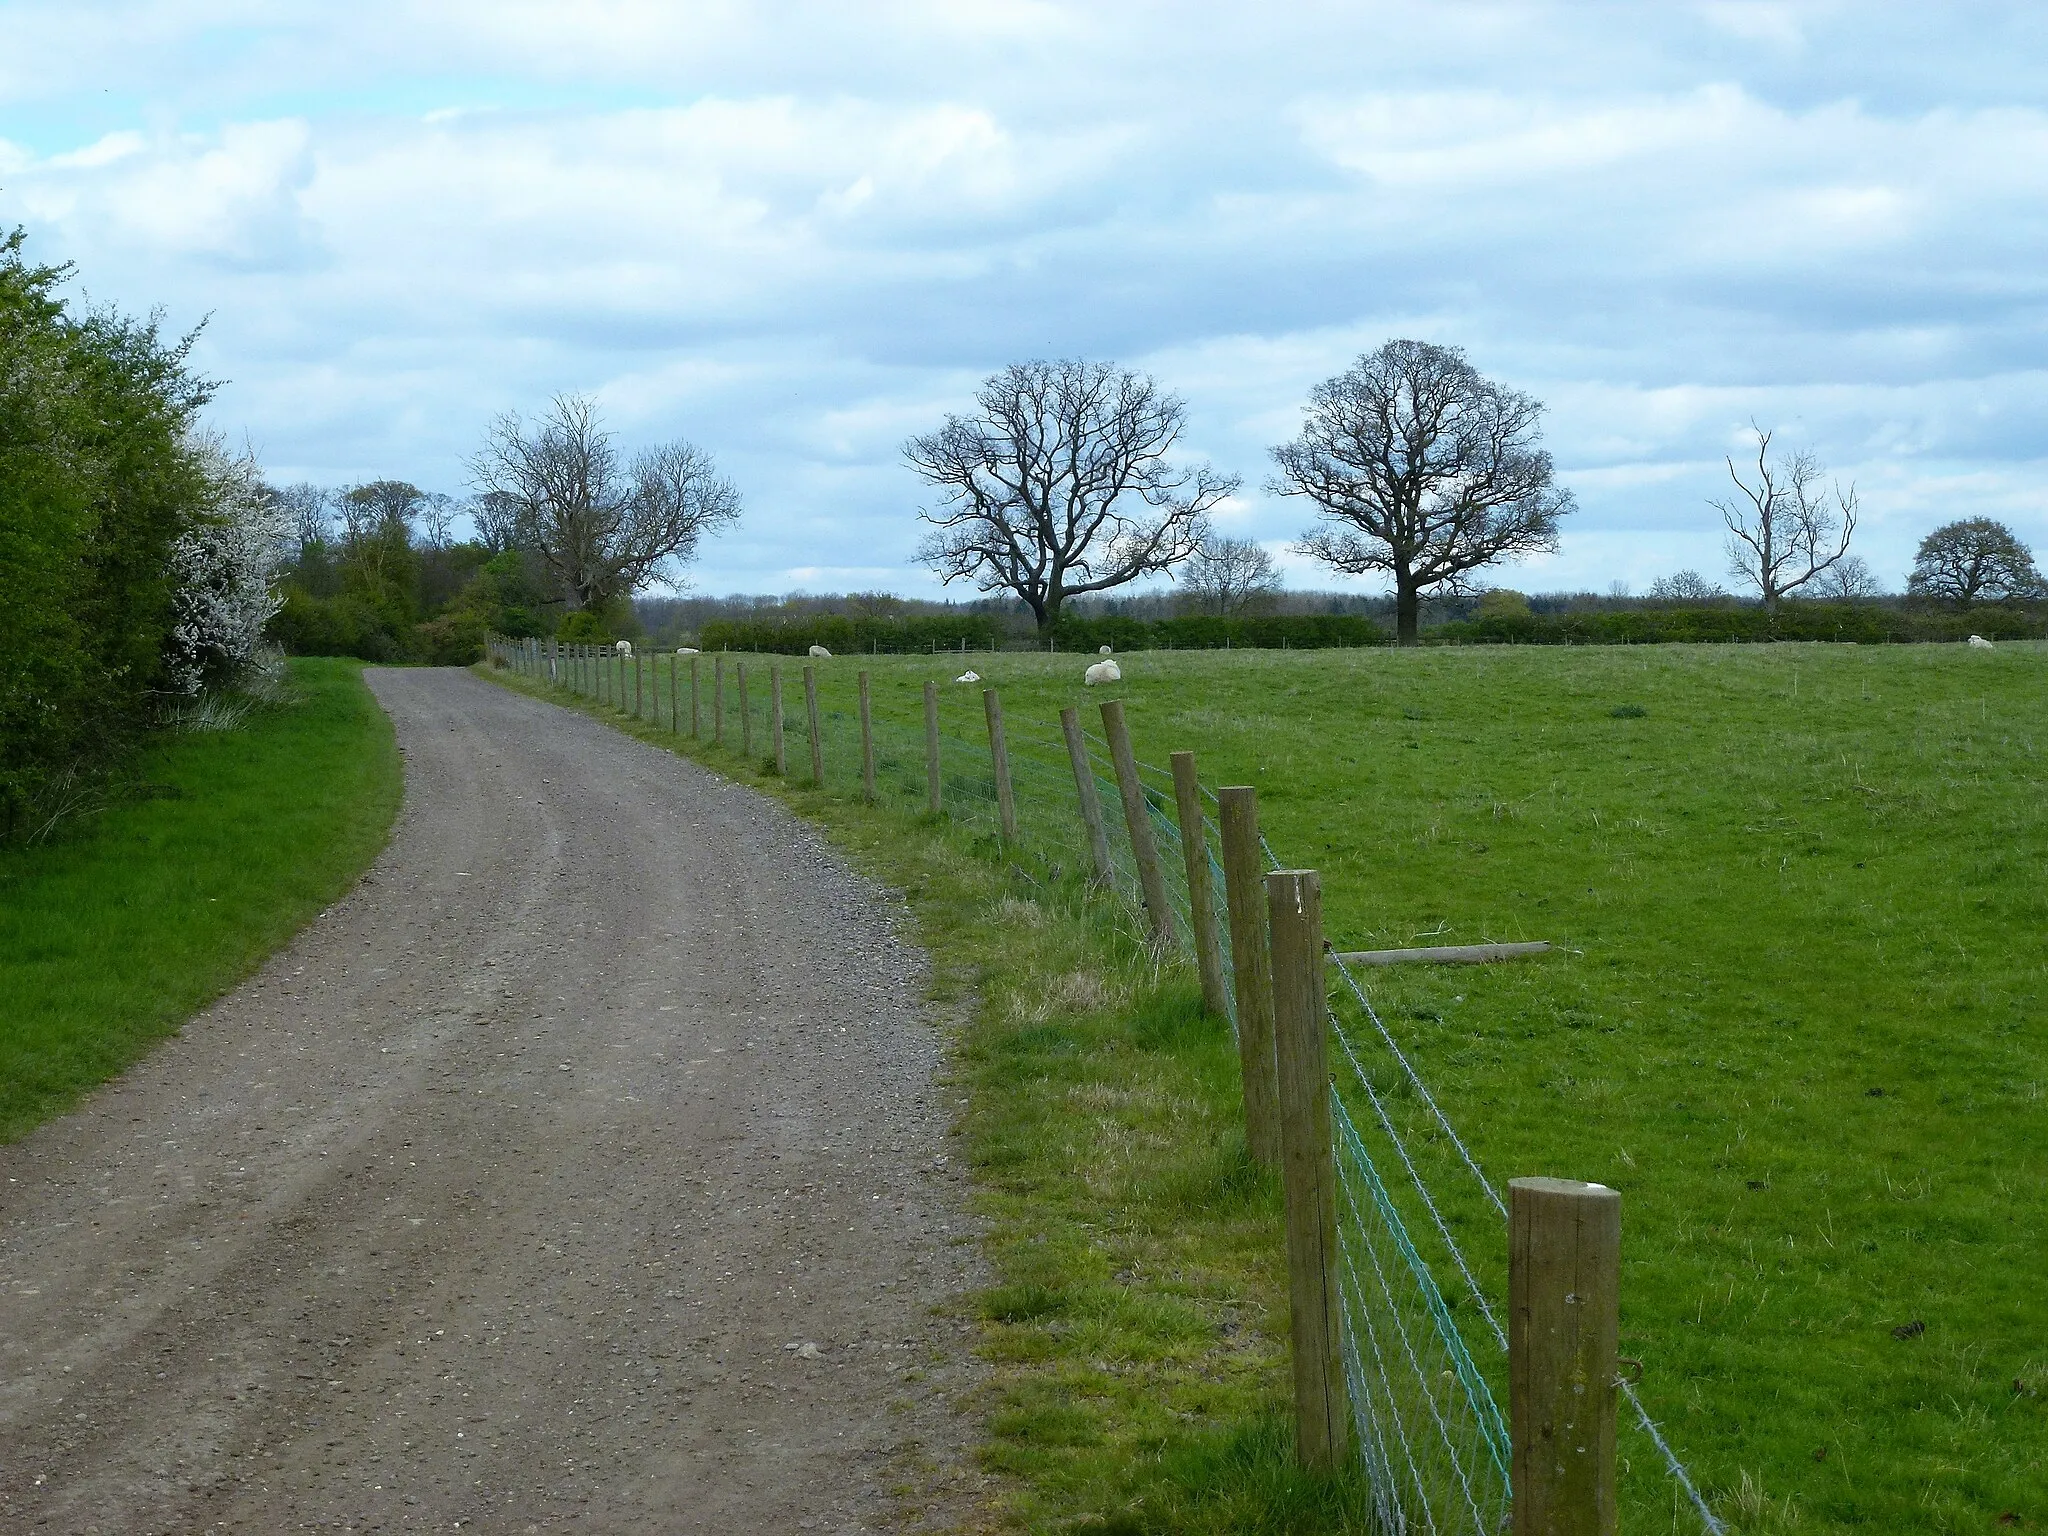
[1852, 623]
[848, 636]
[1302, 632]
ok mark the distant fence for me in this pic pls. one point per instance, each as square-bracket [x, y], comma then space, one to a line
[1379, 1186]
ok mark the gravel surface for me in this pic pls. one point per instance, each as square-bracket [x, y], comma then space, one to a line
[587, 1167]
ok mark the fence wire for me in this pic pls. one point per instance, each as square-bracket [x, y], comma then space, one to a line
[1430, 1433]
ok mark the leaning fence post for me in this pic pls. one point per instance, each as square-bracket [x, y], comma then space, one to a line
[775, 720]
[1564, 1318]
[1237, 818]
[1084, 788]
[999, 757]
[1322, 1415]
[675, 695]
[718, 699]
[1194, 847]
[696, 727]
[1138, 821]
[746, 714]
[867, 745]
[811, 720]
[932, 781]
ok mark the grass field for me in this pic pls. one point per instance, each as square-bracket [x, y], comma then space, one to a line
[1797, 1022]
[111, 936]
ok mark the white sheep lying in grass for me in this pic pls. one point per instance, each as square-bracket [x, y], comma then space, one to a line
[686, 650]
[1979, 643]
[968, 677]
[819, 650]
[1103, 672]
[1102, 650]
[623, 647]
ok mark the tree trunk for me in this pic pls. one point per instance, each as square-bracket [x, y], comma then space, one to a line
[1048, 614]
[1407, 609]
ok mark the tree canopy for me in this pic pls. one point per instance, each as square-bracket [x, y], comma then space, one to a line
[1060, 483]
[1974, 559]
[1420, 467]
[603, 524]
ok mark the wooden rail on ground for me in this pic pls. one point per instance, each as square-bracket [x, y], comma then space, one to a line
[1448, 954]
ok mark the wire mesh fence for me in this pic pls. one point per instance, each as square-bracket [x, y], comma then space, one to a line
[1424, 1346]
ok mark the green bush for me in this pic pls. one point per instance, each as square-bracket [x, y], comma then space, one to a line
[1852, 623]
[456, 639]
[1202, 632]
[348, 625]
[844, 635]
[583, 628]
[99, 475]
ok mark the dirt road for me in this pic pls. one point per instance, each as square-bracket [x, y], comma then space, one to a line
[584, 1169]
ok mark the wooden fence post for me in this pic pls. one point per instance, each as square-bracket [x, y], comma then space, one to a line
[999, 757]
[1237, 818]
[718, 699]
[639, 710]
[867, 745]
[1564, 1283]
[775, 720]
[1138, 821]
[811, 721]
[1194, 847]
[1091, 803]
[696, 724]
[675, 695]
[932, 782]
[1322, 1414]
[746, 714]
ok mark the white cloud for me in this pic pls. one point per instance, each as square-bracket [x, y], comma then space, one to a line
[800, 234]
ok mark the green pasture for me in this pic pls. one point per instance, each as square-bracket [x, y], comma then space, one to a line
[115, 932]
[1795, 1017]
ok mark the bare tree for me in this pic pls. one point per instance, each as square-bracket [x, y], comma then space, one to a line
[1687, 586]
[1059, 484]
[306, 512]
[1231, 576]
[1427, 470]
[1976, 558]
[1785, 529]
[1848, 580]
[437, 513]
[604, 526]
[496, 518]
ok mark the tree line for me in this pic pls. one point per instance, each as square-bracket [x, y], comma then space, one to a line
[1060, 484]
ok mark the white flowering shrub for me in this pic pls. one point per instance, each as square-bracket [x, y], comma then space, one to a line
[224, 568]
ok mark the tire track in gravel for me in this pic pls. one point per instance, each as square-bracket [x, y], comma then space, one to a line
[496, 1198]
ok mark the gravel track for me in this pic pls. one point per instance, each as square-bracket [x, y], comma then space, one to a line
[500, 1196]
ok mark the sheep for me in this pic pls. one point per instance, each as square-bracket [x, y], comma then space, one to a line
[1103, 672]
[623, 647]
[968, 677]
[819, 650]
[1102, 650]
[1979, 643]
[686, 650]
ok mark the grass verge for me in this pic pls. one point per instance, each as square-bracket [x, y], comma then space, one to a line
[110, 938]
[1796, 1017]
[1137, 1321]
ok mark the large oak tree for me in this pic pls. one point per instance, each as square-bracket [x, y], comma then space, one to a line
[1060, 483]
[1421, 468]
[1975, 559]
[604, 525]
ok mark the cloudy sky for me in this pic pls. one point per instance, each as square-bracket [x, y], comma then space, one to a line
[796, 233]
